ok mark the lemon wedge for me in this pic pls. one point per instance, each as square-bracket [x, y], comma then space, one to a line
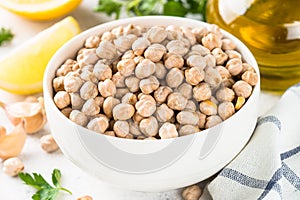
[40, 9]
[21, 71]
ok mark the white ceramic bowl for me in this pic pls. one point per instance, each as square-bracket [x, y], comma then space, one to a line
[149, 165]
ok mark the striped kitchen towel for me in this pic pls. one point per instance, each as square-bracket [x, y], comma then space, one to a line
[269, 165]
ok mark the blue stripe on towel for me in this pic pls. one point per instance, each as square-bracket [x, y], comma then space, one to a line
[290, 153]
[272, 184]
[271, 119]
[291, 176]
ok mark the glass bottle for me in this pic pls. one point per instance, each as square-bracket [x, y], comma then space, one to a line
[270, 29]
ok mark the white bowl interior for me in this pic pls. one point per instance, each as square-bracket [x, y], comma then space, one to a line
[147, 165]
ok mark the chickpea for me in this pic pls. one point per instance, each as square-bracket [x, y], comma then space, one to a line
[155, 52]
[174, 33]
[108, 105]
[118, 80]
[65, 111]
[110, 133]
[145, 69]
[129, 54]
[149, 126]
[85, 198]
[12, 166]
[225, 94]
[203, 51]
[106, 50]
[174, 60]
[168, 130]
[215, 30]
[78, 117]
[160, 71]
[211, 41]
[134, 128]
[62, 99]
[188, 129]
[242, 88]
[92, 41]
[149, 85]
[117, 31]
[90, 107]
[102, 71]
[132, 29]
[212, 121]
[199, 32]
[138, 59]
[190, 106]
[228, 44]
[48, 143]
[202, 119]
[210, 60]
[87, 75]
[187, 32]
[72, 83]
[226, 109]
[123, 111]
[187, 118]
[107, 88]
[89, 59]
[58, 83]
[76, 101]
[88, 90]
[99, 124]
[234, 66]
[177, 47]
[64, 69]
[129, 98]
[156, 34]
[233, 54]
[220, 55]
[193, 192]
[186, 90]
[126, 67]
[107, 36]
[124, 42]
[176, 101]
[137, 117]
[120, 92]
[121, 128]
[145, 107]
[139, 45]
[207, 107]
[162, 93]
[132, 83]
[174, 77]
[196, 61]
[247, 67]
[223, 72]
[202, 92]
[250, 77]
[99, 101]
[194, 75]
[212, 77]
[164, 113]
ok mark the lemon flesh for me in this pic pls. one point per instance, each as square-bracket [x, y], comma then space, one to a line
[21, 71]
[40, 9]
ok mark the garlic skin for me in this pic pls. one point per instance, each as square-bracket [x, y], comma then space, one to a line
[11, 144]
[33, 114]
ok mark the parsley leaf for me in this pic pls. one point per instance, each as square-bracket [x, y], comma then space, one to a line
[152, 7]
[44, 190]
[5, 35]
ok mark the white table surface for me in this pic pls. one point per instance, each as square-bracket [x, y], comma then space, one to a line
[36, 160]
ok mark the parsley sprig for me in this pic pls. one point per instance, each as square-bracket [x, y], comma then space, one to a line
[45, 191]
[5, 35]
[152, 7]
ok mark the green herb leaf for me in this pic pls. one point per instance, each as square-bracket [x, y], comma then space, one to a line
[153, 7]
[174, 8]
[44, 190]
[5, 35]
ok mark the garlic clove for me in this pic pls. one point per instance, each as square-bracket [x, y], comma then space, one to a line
[32, 113]
[2, 131]
[12, 143]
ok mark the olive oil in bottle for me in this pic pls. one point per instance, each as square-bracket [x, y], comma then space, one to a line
[270, 29]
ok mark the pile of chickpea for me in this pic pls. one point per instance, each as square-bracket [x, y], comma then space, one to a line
[153, 83]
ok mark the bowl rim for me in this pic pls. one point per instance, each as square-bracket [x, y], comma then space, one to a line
[48, 89]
